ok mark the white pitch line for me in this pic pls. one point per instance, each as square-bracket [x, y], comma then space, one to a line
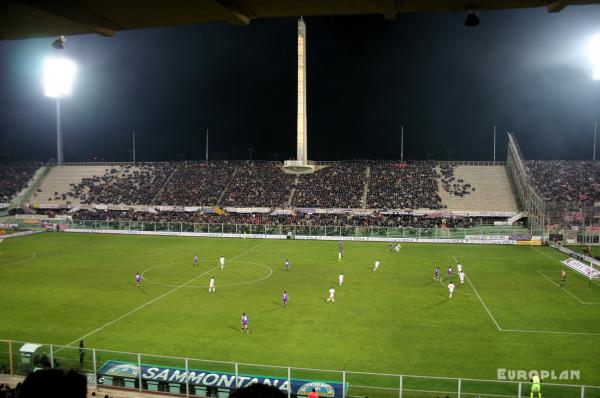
[566, 291]
[153, 300]
[484, 306]
[551, 332]
[554, 259]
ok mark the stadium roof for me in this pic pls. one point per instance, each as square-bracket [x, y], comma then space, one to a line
[20, 19]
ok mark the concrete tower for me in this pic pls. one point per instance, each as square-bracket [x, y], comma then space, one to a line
[301, 164]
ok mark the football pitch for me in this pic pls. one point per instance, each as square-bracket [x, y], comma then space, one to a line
[511, 312]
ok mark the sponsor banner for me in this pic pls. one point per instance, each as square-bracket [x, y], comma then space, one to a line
[520, 237]
[191, 209]
[305, 210]
[281, 212]
[487, 237]
[407, 240]
[332, 211]
[363, 213]
[501, 223]
[204, 378]
[173, 233]
[17, 234]
[8, 226]
[50, 206]
[4, 205]
[33, 218]
[247, 210]
[584, 269]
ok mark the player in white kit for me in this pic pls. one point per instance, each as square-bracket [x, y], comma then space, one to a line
[451, 289]
[331, 295]
[222, 262]
[377, 263]
[341, 278]
[461, 277]
[459, 268]
[211, 284]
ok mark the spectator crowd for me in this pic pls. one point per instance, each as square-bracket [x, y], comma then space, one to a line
[14, 177]
[340, 185]
[403, 186]
[566, 181]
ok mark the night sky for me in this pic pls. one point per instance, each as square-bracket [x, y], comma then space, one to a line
[526, 71]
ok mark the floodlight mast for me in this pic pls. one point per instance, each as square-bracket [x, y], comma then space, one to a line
[59, 75]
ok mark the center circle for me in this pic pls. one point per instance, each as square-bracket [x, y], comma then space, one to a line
[215, 271]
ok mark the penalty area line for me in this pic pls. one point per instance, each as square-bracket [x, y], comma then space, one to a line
[153, 300]
[483, 303]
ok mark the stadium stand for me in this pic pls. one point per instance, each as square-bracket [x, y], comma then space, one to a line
[423, 185]
[481, 188]
[338, 185]
[408, 185]
[566, 181]
[258, 184]
[14, 177]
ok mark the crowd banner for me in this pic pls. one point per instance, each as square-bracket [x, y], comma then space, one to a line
[4, 205]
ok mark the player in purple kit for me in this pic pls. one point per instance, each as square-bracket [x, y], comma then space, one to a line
[138, 279]
[285, 298]
[287, 264]
[450, 272]
[244, 322]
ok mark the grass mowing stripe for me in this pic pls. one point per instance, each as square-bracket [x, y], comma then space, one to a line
[484, 306]
[154, 299]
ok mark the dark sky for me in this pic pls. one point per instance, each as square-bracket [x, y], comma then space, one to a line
[525, 71]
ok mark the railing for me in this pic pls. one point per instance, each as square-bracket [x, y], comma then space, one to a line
[190, 376]
[529, 198]
[303, 230]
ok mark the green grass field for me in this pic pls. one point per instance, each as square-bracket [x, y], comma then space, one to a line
[511, 313]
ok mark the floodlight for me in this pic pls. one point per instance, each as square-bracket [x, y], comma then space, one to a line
[472, 19]
[59, 75]
[594, 52]
[59, 43]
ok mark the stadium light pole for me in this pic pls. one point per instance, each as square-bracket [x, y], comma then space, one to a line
[594, 50]
[59, 75]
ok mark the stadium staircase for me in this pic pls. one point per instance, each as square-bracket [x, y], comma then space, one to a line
[493, 190]
[162, 188]
[363, 201]
[24, 196]
[516, 217]
[293, 191]
[226, 188]
[60, 178]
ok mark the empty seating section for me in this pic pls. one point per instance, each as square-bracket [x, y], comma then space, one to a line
[258, 184]
[566, 181]
[490, 189]
[60, 180]
[409, 185]
[339, 185]
[14, 177]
